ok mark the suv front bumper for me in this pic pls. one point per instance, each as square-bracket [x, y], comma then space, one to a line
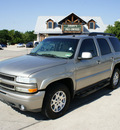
[30, 102]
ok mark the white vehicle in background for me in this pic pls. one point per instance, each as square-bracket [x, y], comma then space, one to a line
[36, 43]
[20, 45]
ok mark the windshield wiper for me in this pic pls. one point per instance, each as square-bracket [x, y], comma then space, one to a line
[49, 55]
[32, 54]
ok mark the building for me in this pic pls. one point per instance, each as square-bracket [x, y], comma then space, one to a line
[56, 25]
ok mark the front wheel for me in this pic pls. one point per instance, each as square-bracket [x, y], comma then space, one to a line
[56, 101]
[115, 79]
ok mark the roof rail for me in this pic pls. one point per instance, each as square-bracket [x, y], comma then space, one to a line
[89, 34]
[99, 33]
[75, 34]
[71, 34]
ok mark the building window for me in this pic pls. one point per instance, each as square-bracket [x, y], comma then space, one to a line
[49, 24]
[91, 25]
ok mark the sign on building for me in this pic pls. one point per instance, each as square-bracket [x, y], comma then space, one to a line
[72, 28]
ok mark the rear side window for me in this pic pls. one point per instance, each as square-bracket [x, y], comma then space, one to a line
[88, 45]
[104, 47]
[115, 43]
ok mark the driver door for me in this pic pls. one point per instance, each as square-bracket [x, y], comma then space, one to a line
[88, 70]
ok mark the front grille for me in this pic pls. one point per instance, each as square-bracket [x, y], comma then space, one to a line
[6, 86]
[6, 77]
[4, 81]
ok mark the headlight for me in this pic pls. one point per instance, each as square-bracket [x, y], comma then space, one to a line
[25, 80]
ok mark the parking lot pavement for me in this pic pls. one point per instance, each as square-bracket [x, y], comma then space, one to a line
[98, 111]
[13, 51]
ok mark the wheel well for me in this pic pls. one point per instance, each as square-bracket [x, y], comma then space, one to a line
[68, 82]
[117, 66]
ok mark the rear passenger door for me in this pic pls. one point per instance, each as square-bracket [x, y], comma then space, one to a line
[107, 57]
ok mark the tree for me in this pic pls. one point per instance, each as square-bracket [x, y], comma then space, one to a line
[18, 37]
[29, 36]
[115, 29]
[14, 37]
[11, 34]
[4, 36]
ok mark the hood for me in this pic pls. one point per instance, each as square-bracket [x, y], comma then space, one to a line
[26, 65]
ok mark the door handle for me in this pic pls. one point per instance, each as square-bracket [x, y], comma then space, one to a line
[98, 62]
[112, 58]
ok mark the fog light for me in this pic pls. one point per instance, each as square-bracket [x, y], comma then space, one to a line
[22, 107]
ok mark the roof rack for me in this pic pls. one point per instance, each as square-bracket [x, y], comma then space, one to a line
[90, 34]
[71, 34]
[99, 33]
[74, 34]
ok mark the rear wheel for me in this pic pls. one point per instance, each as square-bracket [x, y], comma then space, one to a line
[115, 79]
[56, 101]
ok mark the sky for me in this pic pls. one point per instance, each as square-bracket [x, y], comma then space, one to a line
[21, 15]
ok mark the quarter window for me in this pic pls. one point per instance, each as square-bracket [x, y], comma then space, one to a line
[88, 45]
[104, 47]
[115, 43]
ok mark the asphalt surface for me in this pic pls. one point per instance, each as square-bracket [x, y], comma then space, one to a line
[13, 51]
[98, 111]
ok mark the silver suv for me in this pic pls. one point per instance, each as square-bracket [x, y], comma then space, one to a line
[59, 68]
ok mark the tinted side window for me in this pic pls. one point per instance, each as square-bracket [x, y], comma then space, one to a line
[88, 45]
[104, 47]
[115, 43]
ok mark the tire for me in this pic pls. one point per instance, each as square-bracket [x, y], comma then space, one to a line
[56, 101]
[115, 79]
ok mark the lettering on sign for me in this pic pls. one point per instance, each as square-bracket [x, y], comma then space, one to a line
[72, 27]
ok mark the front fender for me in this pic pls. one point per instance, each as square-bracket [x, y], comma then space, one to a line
[50, 80]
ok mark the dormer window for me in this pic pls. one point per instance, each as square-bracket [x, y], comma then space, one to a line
[91, 24]
[50, 24]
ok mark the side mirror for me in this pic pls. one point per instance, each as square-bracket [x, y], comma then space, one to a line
[86, 55]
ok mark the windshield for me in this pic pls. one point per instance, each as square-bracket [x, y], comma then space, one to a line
[56, 47]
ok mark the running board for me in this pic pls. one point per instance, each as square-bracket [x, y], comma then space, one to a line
[91, 90]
